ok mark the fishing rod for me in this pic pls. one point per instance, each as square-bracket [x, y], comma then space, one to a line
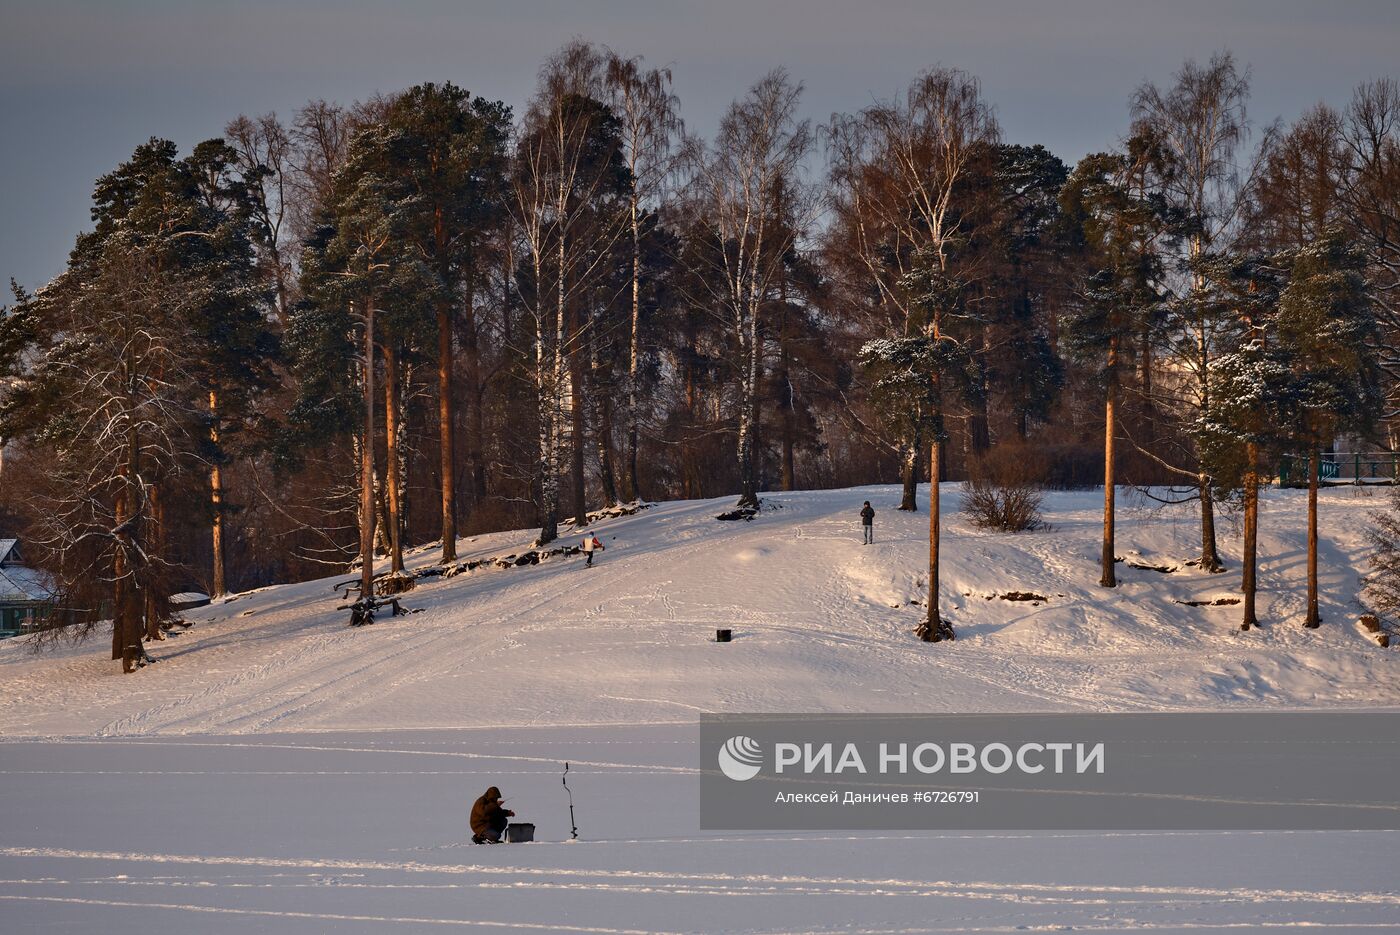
[573, 833]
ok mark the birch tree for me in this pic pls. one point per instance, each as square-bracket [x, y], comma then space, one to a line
[919, 147]
[897, 166]
[649, 119]
[264, 153]
[565, 207]
[751, 169]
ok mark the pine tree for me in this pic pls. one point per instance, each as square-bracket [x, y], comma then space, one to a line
[366, 261]
[172, 241]
[1328, 331]
[935, 368]
[449, 154]
[232, 321]
[1024, 233]
[1123, 227]
[1255, 387]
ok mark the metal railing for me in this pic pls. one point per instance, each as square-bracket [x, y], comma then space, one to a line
[1342, 467]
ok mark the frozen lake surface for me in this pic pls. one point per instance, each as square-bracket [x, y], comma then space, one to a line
[366, 832]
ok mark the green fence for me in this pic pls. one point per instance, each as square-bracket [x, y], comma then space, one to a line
[1342, 467]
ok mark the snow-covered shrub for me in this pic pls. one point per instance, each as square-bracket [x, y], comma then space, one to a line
[1004, 489]
[1382, 585]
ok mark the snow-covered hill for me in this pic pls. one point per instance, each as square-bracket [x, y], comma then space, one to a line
[821, 623]
[261, 775]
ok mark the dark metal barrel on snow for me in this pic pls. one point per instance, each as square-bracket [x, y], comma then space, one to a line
[518, 832]
[723, 636]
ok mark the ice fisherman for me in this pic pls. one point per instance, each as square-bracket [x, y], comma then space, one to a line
[867, 522]
[589, 546]
[489, 820]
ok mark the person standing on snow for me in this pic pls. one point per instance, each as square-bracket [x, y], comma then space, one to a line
[489, 820]
[590, 543]
[867, 522]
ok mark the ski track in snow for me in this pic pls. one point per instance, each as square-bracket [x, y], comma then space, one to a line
[919, 887]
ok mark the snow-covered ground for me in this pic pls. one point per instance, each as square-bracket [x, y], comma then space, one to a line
[277, 771]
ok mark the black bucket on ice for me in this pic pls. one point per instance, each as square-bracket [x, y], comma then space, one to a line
[518, 833]
[723, 636]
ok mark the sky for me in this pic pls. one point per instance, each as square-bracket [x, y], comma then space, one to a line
[83, 82]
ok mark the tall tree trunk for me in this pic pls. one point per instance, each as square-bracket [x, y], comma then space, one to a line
[476, 419]
[381, 514]
[128, 618]
[1210, 559]
[633, 482]
[127, 567]
[367, 511]
[787, 400]
[119, 610]
[607, 475]
[1249, 584]
[756, 463]
[576, 431]
[748, 407]
[447, 427]
[789, 460]
[1107, 578]
[909, 473]
[603, 418]
[547, 395]
[216, 502]
[550, 403]
[120, 572]
[393, 484]
[447, 433]
[1149, 410]
[748, 492]
[1314, 620]
[934, 628]
[689, 481]
[157, 602]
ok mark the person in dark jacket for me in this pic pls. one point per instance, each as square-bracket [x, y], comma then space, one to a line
[489, 820]
[867, 522]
